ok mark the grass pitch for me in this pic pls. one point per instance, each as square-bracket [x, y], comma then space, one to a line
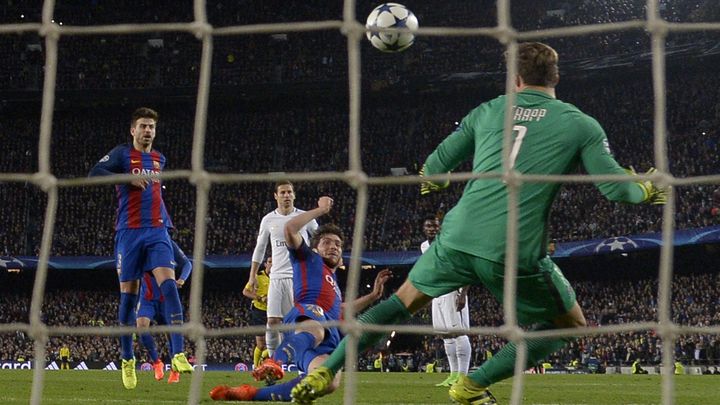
[105, 387]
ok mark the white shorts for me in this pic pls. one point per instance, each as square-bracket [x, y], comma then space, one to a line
[445, 314]
[280, 297]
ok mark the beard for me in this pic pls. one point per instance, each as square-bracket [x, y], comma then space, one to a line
[331, 262]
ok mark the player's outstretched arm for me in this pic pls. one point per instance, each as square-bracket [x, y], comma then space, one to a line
[598, 159]
[427, 186]
[378, 288]
[293, 240]
[452, 151]
[652, 193]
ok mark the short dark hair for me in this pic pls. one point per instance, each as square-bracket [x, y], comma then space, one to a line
[283, 183]
[431, 217]
[324, 230]
[143, 112]
[538, 64]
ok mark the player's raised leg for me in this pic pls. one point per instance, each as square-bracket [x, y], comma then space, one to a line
[395, 309]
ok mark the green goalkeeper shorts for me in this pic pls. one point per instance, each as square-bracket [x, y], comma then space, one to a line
[541, 296]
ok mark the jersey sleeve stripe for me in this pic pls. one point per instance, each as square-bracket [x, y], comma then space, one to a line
[134, 194]
[157, 201]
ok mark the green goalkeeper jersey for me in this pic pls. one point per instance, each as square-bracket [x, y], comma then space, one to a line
[550, 137]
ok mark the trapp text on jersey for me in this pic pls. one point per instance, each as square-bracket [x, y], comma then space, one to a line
[528, 114]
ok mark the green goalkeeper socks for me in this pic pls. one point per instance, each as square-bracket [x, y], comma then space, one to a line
[502, 365]
[390, 311]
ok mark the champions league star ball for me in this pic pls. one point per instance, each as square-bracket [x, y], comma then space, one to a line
[391, 15]
[620, 243]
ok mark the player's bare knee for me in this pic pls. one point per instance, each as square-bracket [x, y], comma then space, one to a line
[163, 273]
[142, 322]
[130, 287]
[313, 327]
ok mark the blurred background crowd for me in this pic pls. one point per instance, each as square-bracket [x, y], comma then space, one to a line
[695, 302]
[278, 103]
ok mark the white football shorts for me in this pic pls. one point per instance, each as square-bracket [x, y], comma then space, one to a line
[445, 314]
[280, 297]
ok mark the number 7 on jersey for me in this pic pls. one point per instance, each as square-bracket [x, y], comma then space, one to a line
[521, 131]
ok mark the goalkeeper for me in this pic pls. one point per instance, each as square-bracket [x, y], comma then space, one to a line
[550, 137]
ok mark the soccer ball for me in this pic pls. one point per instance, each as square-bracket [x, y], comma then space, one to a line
[391, 15]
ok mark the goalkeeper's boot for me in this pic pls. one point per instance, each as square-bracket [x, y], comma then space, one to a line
[313, 386]
[159, 369]
[174, 377]
[448, 381]
[268, 371]
[181, 364]
[128, 373]
[465, 392]
[244, 392]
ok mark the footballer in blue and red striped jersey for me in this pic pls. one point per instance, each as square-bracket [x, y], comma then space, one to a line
[314, 282]
[317, 300]
[142, 242]
[138, 207]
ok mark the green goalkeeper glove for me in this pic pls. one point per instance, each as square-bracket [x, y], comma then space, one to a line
[427, 187]
[652, 193]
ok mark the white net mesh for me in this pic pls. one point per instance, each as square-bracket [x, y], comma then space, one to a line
[355, 177]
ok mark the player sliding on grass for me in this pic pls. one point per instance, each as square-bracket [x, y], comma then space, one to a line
[550, 137]
[317, 299]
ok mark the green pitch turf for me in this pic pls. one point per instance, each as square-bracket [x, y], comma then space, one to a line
[105, 387]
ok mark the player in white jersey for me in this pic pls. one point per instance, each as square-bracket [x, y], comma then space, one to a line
[280, 293]
[450, 311]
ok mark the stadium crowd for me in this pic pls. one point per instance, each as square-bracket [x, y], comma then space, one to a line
[97, 308]
[172, 59]
[397, 132]
[695, 302]
[271, 141]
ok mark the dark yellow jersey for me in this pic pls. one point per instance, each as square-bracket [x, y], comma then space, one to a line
[263, 283]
